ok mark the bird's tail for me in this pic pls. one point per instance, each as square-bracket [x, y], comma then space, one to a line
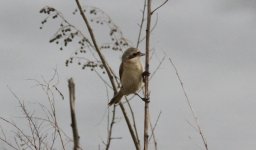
[116, 99]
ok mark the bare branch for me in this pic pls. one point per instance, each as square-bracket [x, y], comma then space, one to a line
[151, 30]
[141, 23]
[153, 135]
[19, 130]
[159, 6]
[157, 68]
[8, 143]
[133, 118]
[111, 128]
[110, 125]
[153, 128]
[190, 107]
[48, 87]
[40, 127]
[135, 140]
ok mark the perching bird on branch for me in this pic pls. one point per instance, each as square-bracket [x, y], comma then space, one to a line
[131, 74]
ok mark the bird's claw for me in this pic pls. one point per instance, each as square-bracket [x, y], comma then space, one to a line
[146, 100]
[144, 75]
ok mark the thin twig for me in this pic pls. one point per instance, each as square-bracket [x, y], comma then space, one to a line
[153, 128]
[14, 125]
[110, 125]
[159, 6]
[102, 79]
[38, 136]
[158, 67]
[32, 126]
[141, 23]
[133, 118]
[52, 113]
[8, 143]
[153, 135]
[4, 139]
[152, 29]
[135, 140]
[29, 142]
[190, 107]
[111, 128]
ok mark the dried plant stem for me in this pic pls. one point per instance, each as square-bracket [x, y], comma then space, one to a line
[153, 127]
[71, 87]
[111, 127]
[190, 107]
[133, 118]
[102, 58]
[146, 109]
[159, 6]
[141, 23]
[9, 144]
[59, 132]
[153, 135]
[110, 75]
[128, 122]
[29, 142]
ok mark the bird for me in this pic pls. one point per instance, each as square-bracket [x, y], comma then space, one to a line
[130, 73]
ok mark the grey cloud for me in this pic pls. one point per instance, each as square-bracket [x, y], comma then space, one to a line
[236, 5]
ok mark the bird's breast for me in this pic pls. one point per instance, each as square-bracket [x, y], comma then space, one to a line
[131, 77]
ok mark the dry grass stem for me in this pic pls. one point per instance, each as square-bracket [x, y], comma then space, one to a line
[159, 6]
[190, 107]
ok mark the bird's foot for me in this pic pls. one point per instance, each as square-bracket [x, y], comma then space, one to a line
[144, 75]
[146, 100]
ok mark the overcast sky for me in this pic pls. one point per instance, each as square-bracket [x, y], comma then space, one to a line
[211, 42]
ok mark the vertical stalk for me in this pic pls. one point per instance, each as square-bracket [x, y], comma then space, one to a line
[71, 87]
[146, 113]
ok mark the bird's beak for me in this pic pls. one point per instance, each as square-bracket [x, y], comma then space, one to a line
[141, 54]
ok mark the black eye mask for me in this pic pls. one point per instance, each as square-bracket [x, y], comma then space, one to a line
[134, 55]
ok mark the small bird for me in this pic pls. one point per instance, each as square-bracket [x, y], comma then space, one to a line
[130, 73]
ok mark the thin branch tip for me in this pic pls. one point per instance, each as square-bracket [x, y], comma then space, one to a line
[159, 7]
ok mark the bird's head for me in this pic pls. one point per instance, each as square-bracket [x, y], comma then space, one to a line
[132, 54]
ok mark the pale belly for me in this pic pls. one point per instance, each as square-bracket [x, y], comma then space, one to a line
[131, 80]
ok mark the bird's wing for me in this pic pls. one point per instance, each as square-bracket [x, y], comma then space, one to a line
[121, 71]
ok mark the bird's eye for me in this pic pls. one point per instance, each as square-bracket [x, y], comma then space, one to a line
[133, 55]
